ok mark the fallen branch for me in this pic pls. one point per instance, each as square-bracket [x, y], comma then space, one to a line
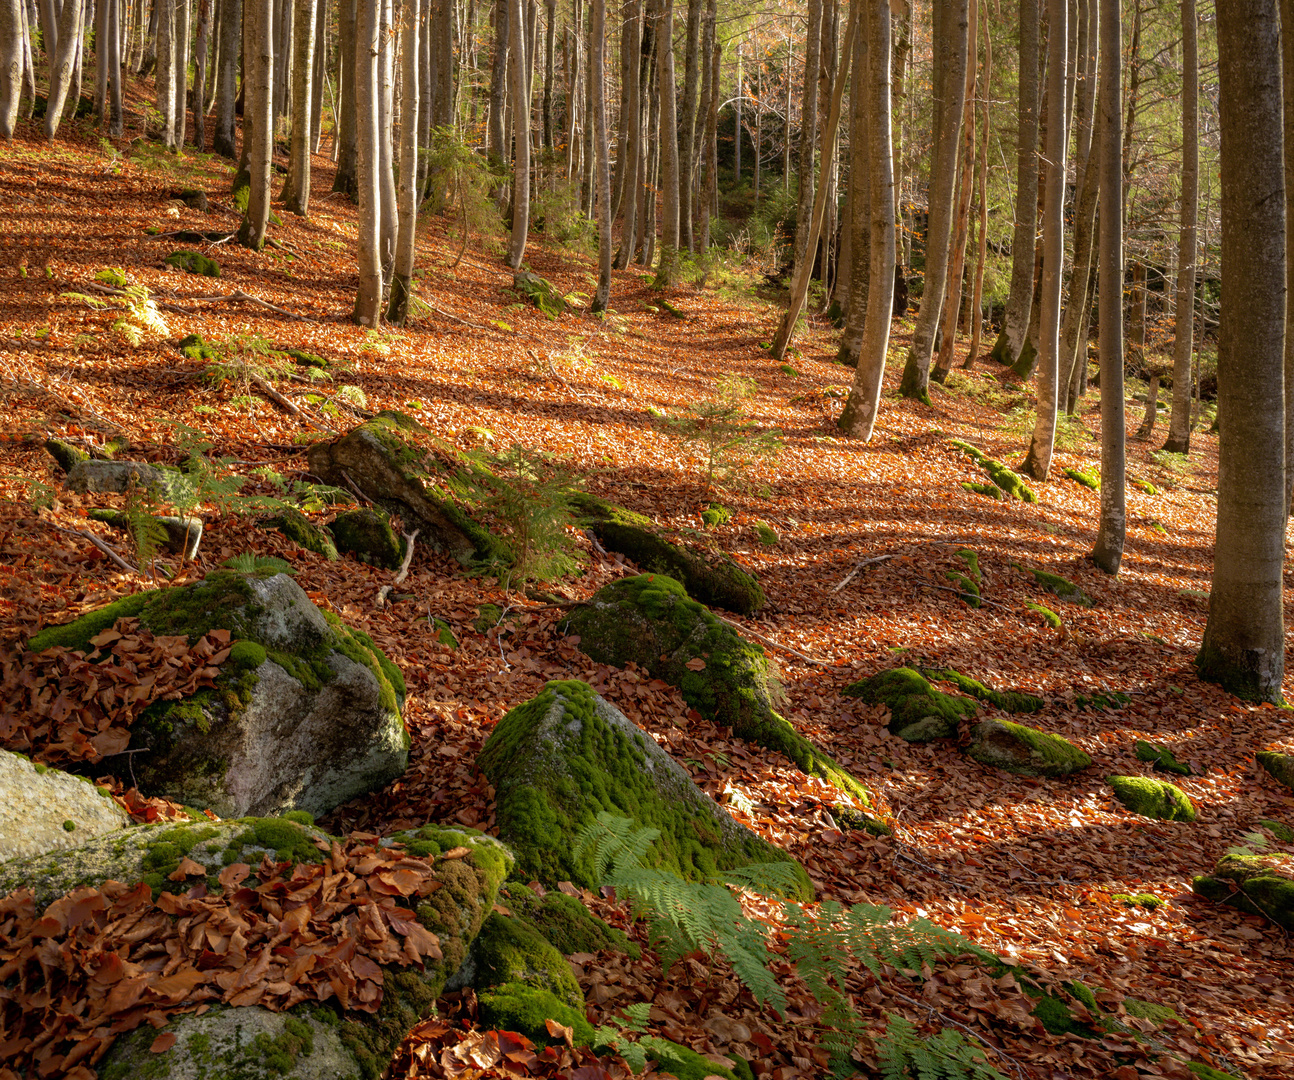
[269, 391]
[408, 556]
[355, 488]
[963, 592]
[769, 641]
[866, 562]
[239, 295]
[105, 548]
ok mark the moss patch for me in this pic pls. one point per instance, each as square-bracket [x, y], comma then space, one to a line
[1012, 701]
[488, 616]
[1279, 766]
[1280, 830]
[511, 950]
[1160, 757]
[1152, 798]
[1256, 884]
[517, 1007]
[368, 536]
[1058, 586]
[766, 535]
[1146, 900]
[1022, 749]
[918, 712]
[566, 923]
[408, 997]
[1087, 479]
[193, 262]
[301, 530]
[679, 1061]
[1149, 1010]
[715, 515]
[1009, 482]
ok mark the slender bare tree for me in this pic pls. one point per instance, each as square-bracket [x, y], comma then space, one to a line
[668, 267]
[258, 53]
[407, 191]
[296, 190]
[11, 64]
[231, 20]
[601, 142]
[1179, 423]
[368, 299]
[62, 64]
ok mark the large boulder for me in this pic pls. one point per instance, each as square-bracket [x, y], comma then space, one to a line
[388, 468]
[1256, 884]
[91, 477]
[1019, 748]
[709, 576]
[328, 929]
[304, 716]
[562, 757]
[44, 809]
[918, 712]
[651, 621]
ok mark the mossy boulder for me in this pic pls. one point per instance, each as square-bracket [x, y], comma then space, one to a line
[541, 292]
[565, 922]
[918, 712]
[302, 531]
[522, 1008]
[38, 803]
[180, 535]
[1058, 586]
[305, 714]
[1280, 766]
[193, 262]
[94, 477]
[1008, 482]
[65, 454]
[1019, 748]
[709, 576]
[1161, 757]
[367, 534]
[651, 620]
[1152, 798]
[1012, 701]
[379, 459]
[511, 950]
[1256, 884]
[560, 758]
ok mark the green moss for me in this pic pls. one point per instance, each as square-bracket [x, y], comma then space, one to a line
[1152, 798]
[367, 534]
[1256, 884]
[540, 292]
[1279, 766]
[358, 646]
[488, 616]
[69, 826]
[407, 999]
[971, 559]
[192, 262]
[786, 369]
[1110, 700]
[1208, 1072]
[715, 515]
[302, 531]
[286, 838]
[41, 769]
[766, 535]
[1082, 992]
[604, 772]
[167, 848]
[650, 620]
[675, 1060]
[1056, 1018]
[1144, 486]
[991, 490]
[65, 454]
[1012, 701]
[969, 587]
[1008, 482]
[1087, 479]
[1161, 757]
[918, 712]
[1058, 586]
[1149, 1010]
[1146, 900]
[510, 950]
[76, 635]
[307, 359]
[444, 634]
[517, 1007]
[1022, 749]
[279, 1054]
[246, 656]
[1049, 616]
[300, 817]
[565, 922]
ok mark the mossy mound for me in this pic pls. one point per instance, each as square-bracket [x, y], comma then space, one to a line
[715, 515]
[65, 454]
[766, 534]
[302, 531]
[1161, 758]
[195, 347]
[709, 576]
[511, 950]
[918, 712]
[1019, 748]
[378, 458]
[305, 713]
[1256, 884]
[1012, 701]
[1058, 586]
[1152, 798]
[192, 262]
[521, 1008]
[307, 359]
[1048, 616]
[541, 292]
[651, 621]
[684, 1063]
[488, 616]
[1279, 766]
[368, 536]
[970, 581]
[562, 757]
[1112, 699]
[1144, 486]
[992, 491]
[1146, 900]
[564, 922]
[1009, 482]
[1087, 479]
[1278, 829]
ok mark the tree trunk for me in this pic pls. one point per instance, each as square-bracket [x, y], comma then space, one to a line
[859, 415]
[62, 63]
[520, 136]
[1244, 640]
[368, 299]
[667, 268]
[11, 64]
[101, 59]
[808, 132]
[318, 73]
[1179, 424]
[496, 137]
[687, 123]
[951, 59]
[407, 193]
[977, 298]
[630, 164]
[1287, 50]
[350, 64]
[550, 42]
[164, 80]
[386, 137]
[1112, 531]
[296, 190]
[258, 107]
[601, 141]
[200, 75]
[180, 42]
[1019, 304]
[1037, 462]
[711, 52]
[858, 204]
[231, 20]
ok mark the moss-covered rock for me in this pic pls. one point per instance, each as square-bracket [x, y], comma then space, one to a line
[193, 262]
[715, 515]
[766, 534]
[367, 534]
[1012, 701]
[918, 712]
[1146, 900]
[302, 531]
[1160, 757]
[1087, 479]
[709, 576]
[1279, 766]
[1278, 829]
[180, 535]
[1152, 798]
[1048, 616]
[651, 621]
[307, 359]
[93, 477]
[195, 347]
[562, 757]
[565, 922]
[65, 454]
[1256, 884]
[991, 491]
[378, 458]
[511, 950]
[305, 714]
[1058, 586]
[1022, 749]
[521, 1008]
[488, 616]
[1009, 482]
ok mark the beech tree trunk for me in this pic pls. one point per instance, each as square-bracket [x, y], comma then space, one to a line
[368, 299]
[687, 123]
[977, 297]
[200, 50]
[858, 205]
[496, 138]
[631, 162]
[231, 21]
[808, 132]
[180, 43]
[258, 108]
[407, 191]
[711, 52]
[520, 136]
[11, 64]
[296, 190]
[347, 178]
[601, 142]
[386, 136]
[62, 63]
[667, 269]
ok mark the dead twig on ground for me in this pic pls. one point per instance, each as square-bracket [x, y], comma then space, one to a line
[866, 562]
[408, 556]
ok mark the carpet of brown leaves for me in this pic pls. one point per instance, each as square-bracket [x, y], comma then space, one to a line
[1026, 868]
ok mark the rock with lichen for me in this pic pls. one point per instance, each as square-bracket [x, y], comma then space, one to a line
[304, 715]
[1258, 884]
[1279, 766]
[918, 712]
[559, 759]
[367, 534]
[1019, 748]
[44, 809]
[651, 621]
[379, 460]
[303, 532]
[709, 576]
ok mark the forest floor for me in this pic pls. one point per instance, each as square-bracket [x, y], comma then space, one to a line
[1028, 869]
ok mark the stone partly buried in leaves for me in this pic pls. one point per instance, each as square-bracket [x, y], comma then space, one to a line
[305, 714]
[918, 712]
[651, 621]
[44, 809]
[562, 757]
[1153, 798]
[1260, 884]
[1019, 748]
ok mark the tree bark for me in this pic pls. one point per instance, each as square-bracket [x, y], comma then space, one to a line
[62, 62]
[350, 63]
[808, 132]
[631, 160]
[977, 297]
[199, 74]
[296, 190]
[258, 53]
[601, 141]
[520, 136]
[1007, 348]
[667, 269]
[11, 64]
[407, 192]
[386, 137]
[859, 415]
[711, 52]
[496, 137]
[1037, 462]
[687, 123]
[231, 19]
[858, 205]
[180, 42]
[368, 299]
[951, 58]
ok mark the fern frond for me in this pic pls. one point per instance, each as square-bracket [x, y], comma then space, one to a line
[946, 1055]
[768, 879]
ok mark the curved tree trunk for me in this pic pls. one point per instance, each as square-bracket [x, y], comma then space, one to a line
[407, 192]
[808, 131]
[1244, 640]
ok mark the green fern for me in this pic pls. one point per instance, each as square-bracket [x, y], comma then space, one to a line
[247, 563]
[905, 1055]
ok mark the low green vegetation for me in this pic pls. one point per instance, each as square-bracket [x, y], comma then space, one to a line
[1009, 482]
